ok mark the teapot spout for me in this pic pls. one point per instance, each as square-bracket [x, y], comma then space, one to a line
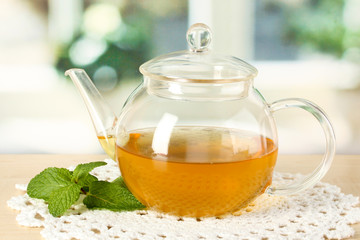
[103, 118]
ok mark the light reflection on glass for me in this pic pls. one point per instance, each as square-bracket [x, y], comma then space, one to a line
[162, 134]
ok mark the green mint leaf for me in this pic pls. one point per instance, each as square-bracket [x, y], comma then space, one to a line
[49, 180]
[87, 180]
[111, 196]
[61, 199]
[81, 174]
[120, 181]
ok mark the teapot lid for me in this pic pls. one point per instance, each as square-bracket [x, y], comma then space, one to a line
[198, 64]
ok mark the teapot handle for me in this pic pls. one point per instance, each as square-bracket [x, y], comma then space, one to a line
[324, 166]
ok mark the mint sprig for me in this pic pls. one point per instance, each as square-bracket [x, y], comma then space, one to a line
[61, 188]
[62, 199]
[81, 174]
[49, 180]
[111, 196]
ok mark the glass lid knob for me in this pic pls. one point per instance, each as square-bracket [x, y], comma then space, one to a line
[198, 37]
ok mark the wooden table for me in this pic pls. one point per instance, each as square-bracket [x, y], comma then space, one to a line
[345, 173]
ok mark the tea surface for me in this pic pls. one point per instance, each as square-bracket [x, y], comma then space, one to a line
[196, 171]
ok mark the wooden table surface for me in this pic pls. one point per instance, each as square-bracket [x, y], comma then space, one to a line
[345, 173]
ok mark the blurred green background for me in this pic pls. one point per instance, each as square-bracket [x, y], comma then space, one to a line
[302, 48]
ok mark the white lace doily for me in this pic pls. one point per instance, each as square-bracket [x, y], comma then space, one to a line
[318, 213]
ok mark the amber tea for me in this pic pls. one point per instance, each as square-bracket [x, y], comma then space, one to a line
[202, 171]
[108, 144]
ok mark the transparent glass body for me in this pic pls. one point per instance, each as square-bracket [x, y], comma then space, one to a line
[196, 149]
[196, 138]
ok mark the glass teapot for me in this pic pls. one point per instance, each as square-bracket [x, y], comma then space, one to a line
[196, 138]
